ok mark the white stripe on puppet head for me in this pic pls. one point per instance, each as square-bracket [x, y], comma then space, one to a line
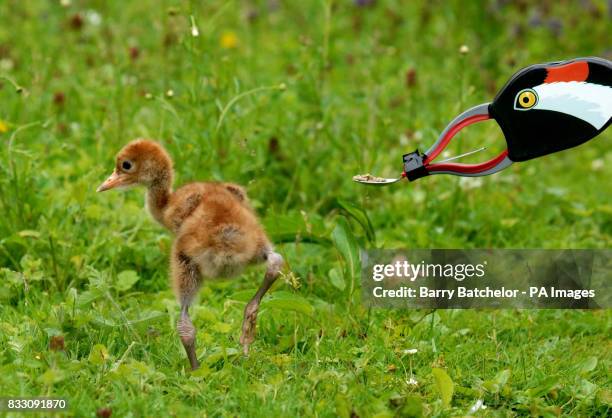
[588, 101]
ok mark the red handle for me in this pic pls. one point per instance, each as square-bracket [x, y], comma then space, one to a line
[461, 168]
[469, 168]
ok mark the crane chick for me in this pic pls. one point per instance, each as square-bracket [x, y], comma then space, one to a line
[217, 233]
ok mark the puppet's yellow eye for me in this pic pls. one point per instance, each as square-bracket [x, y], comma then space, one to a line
[526, 99]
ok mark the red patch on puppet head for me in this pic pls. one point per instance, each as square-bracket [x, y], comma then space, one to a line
[575, 71]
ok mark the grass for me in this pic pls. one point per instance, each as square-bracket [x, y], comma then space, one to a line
[290, 99]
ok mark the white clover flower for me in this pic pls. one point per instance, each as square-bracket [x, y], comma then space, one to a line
[94, 18]
[469, 183]
[479, 404]
[464, 49]
[194, 29]
[597, 164]
[412, 382]
[6, 64]
[411, 351]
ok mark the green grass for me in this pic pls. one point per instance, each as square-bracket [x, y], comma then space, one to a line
[311, 94]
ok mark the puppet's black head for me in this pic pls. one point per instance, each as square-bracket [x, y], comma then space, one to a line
[546, 108]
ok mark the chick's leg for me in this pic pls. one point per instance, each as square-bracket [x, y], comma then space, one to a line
[187, 332]
[185, 277]
[274, 264]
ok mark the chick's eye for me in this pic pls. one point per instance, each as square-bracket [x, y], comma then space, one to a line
[126, 165]
[526, 99]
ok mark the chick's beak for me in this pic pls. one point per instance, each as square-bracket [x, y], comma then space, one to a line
[113, 181]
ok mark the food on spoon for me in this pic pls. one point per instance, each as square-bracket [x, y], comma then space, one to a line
[369, 178]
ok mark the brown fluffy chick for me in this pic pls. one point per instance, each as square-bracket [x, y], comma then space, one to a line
[217, 232]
